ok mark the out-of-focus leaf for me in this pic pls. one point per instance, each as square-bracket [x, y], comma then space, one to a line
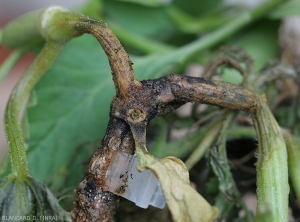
[289, 8]
[194, 25]
[92, 8]
[153, 66]
[262, 35]
[227, 209]
[150, 3]
[232, 76]
[136, 18]
[198, 7]
[72, 172]
[179, 147]
[183, 201]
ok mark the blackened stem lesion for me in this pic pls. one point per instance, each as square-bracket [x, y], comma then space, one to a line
[120, 64]
[191, 89]
[94, 202]
[146, 100]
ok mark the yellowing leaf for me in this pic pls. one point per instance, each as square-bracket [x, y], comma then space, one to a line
[184, 202]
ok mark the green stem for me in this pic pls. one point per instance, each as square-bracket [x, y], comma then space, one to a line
[293, 150]
[241, 132]
[18, 96]
[207, 141]
[222, 138]
[271, 166]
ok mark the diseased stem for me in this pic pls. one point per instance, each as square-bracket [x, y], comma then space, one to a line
[136, 103]
[94, 203]
[120, 64]
[20, 92]
[222, 94]
[119, 61]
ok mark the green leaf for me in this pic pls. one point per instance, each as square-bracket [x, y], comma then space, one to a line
[202, 23]
[179, 147]
[232, 76]
[197, 7]
[136, 18]
[72, 172]
[150, 3]
[289, 8]
[73, 103]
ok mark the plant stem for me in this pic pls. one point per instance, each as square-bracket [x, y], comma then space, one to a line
[121, 66]
[241, 132]
[207, 141]
[272, 168]
[293, 150]
[18, 96]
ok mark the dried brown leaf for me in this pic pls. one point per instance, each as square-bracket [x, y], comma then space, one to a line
[184, 202]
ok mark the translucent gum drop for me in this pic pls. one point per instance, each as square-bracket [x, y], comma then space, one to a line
[123, 179]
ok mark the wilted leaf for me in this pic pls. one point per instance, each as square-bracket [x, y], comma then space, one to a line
[184, 202]
[221, 169]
